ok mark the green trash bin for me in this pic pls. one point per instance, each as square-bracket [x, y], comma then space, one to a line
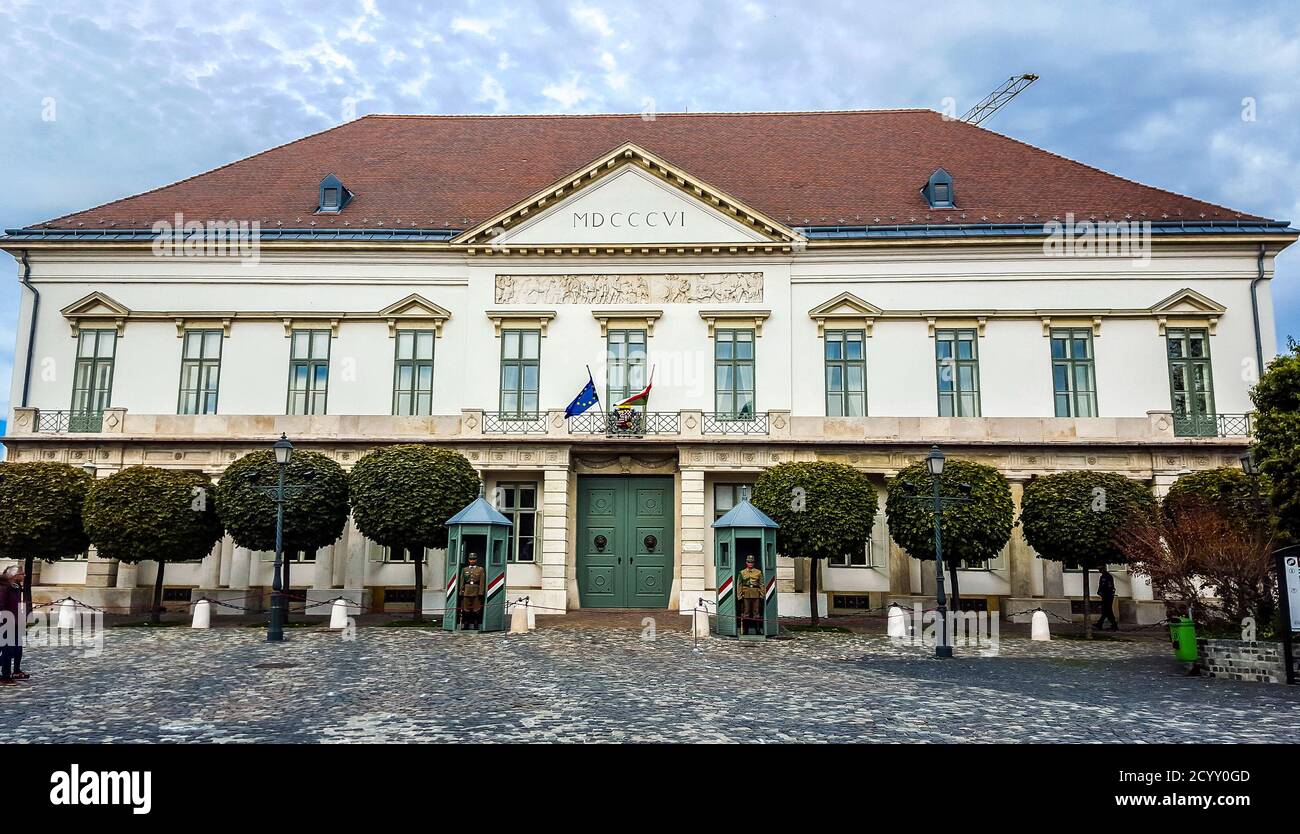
[1182, 633]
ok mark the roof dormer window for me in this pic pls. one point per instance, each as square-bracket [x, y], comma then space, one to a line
[333, 196]
[938, 190]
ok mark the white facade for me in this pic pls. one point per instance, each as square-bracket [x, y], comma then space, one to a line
[673, 264]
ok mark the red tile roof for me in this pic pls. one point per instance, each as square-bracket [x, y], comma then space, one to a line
[854, 167]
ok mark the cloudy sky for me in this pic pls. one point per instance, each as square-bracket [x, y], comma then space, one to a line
[107, 98]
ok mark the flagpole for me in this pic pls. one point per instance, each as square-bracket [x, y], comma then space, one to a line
[592, 380]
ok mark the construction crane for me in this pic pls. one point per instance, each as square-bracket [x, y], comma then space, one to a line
[995, 100]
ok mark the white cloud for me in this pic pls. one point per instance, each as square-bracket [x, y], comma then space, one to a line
[491, 90]
[475, 25]
[568, 94]
[590, 17]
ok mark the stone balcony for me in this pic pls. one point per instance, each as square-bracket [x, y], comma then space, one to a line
[476, 425]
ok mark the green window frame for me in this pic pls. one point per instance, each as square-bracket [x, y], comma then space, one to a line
[846, 373]
[625, 364]
[92, 382]
[957, 369]
[733, 367]
[521, 369]
[413, 373]
[1074, 379]
[309, 371]
[200, 372]
[1191, 380]
[518, 502]
[864, 558]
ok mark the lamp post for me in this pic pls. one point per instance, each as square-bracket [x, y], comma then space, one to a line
[275, 631]
[934, 462]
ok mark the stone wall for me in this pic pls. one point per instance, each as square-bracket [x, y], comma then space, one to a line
[1243, 660]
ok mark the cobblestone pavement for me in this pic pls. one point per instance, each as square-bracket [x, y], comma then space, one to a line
[603, 685]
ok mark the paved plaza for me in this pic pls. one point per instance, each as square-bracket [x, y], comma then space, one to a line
[589, 683]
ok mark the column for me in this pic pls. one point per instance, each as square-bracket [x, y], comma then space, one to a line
[240, 568]
[1020, 556]
[227, 556]
[210, 572]
[555, 541]
[323, 575]
[693, 539]
[354, 575]
[100, 572]
[127, 575]
[900, 569]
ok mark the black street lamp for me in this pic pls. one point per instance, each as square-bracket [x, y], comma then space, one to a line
[275, 631]
[934, 462]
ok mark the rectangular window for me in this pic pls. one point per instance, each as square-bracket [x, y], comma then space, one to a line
[846, 373]
[624, 365]
[518, 502]
[1191, 384]
[92, 383]
[309, 371]
[1074, 383]
[861, 559]
[956, 354]
[725, 496]
[200, 372]
[520, 368]
[413, 374]
[733, 364]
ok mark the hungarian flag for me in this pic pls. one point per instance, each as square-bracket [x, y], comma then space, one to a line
[638, 399]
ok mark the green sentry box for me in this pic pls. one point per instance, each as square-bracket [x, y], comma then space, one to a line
[1182, 633]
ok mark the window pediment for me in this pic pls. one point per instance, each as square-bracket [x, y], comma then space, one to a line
[845, 311]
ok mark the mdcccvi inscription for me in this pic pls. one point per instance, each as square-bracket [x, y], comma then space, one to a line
[656, 288]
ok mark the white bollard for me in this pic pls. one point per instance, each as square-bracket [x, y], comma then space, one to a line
[701, 623]
[202, 614]
[897, 626]
[1039, 629]
[68, 614]
[532, 616]
[339, 614]
[519, 619]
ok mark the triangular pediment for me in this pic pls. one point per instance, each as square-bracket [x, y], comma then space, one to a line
[415, 311]
[845, 305]
[95, 305]
[1188, 302]
[628, 198]
[415, 306]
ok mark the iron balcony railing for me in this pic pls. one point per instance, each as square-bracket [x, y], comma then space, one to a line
[496, 422]
[60, 422]
[1214, 425]
[626, 423]
[716, 422]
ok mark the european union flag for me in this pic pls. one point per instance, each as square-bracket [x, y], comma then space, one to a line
[586, 398]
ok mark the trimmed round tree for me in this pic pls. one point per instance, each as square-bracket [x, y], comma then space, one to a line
[1075, 517]
[824, 509]
[1277, 436]
[313, 517]
[403, 495]
[975, 531]
[143, 513]
[1226, 490]
[40, 514]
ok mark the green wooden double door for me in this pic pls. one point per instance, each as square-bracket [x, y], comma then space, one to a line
[625, 542]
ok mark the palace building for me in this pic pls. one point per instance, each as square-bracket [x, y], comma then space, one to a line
[846, 286]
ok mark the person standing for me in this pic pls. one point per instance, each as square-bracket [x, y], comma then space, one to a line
[11, 649]
[1106, 590]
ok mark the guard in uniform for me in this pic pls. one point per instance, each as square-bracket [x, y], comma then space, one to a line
[471, 594]
[751, 597]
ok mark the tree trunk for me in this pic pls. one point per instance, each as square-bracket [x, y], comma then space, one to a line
[812, 589]
[29, 564]
[156, 617]
[419, 582]
[1087, 607]
[955, 603]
